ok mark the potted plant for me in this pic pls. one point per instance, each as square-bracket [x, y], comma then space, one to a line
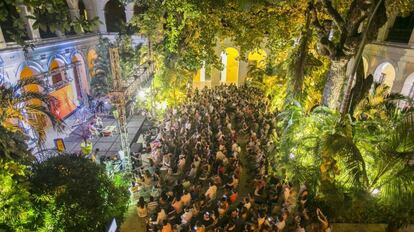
[85, 134]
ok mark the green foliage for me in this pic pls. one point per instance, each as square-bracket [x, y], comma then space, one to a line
[20, 100]
[52, 14]
[186, 33]
[130, 56]
[13, 146]
[16, 209]
[101, 82]
[356, 165]
[74, 194]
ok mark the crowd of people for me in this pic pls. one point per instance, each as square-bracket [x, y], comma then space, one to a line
[209, 161]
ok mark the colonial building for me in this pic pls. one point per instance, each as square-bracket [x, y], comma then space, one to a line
[390, 59]
[65, 61]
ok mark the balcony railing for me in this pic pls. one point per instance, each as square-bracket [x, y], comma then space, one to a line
[48, 41]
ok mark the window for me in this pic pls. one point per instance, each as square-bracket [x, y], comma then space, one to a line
[401, 31]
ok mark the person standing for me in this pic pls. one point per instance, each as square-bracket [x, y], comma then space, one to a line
[142, 210]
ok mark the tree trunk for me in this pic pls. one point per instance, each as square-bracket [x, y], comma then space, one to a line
[335, 83]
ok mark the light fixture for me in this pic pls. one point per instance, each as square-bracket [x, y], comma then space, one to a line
[375, 192]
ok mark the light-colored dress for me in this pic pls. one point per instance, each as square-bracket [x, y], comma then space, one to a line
[142, 212]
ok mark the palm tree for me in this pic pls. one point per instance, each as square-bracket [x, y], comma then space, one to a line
[18, 105]
[367, 156]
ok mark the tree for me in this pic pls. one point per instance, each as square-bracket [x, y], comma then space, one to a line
[101, 82]
[19, 103]
[189, 31]
[354, 161]
[50, 15]
[75, 194]
[16, 208]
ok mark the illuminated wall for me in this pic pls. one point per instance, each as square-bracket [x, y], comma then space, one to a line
[91, 61]
[80, 72]
[232, 66]
[28, 72]
[65, 101]
[385, 71]
[197, 76]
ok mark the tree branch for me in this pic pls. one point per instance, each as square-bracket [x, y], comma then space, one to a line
[339, 21]
[357, 22]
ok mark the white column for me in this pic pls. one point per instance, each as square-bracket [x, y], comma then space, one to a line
[223, 72]
[73, 8]
[2, 40]
[100, 12]
[31, 32]
[411, 41]
[243, 70]
[203, 73]
[129, 11]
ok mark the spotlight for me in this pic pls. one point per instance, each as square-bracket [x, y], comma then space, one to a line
[375, 192]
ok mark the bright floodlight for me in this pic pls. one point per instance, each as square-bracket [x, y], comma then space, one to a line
[164, 105]
[141, 95]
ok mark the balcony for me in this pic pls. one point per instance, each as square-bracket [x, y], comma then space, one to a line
[10, 46]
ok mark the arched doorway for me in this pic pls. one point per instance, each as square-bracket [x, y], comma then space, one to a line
[408, 87]
[91, 57]
[114, 16]
[385, 74]
[79, 74]
[65, 101]
[230, 73]
[30, 72]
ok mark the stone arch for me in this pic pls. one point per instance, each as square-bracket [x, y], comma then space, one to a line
[56, 66]
[114, 15]
[59, 57]
[230, 61]
[64, 101]
[80, 74]
[408, 87]
[91, 56]
[29, 70]
[33, 65]
[385, 73]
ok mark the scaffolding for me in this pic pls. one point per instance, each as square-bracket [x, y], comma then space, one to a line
[119, 95]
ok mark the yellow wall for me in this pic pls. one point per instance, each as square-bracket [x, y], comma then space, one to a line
[232, 67]
[27, 72]
[197, 76]
[91, 61]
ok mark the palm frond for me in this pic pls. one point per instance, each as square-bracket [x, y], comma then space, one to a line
[343, 147]
[22, 83]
